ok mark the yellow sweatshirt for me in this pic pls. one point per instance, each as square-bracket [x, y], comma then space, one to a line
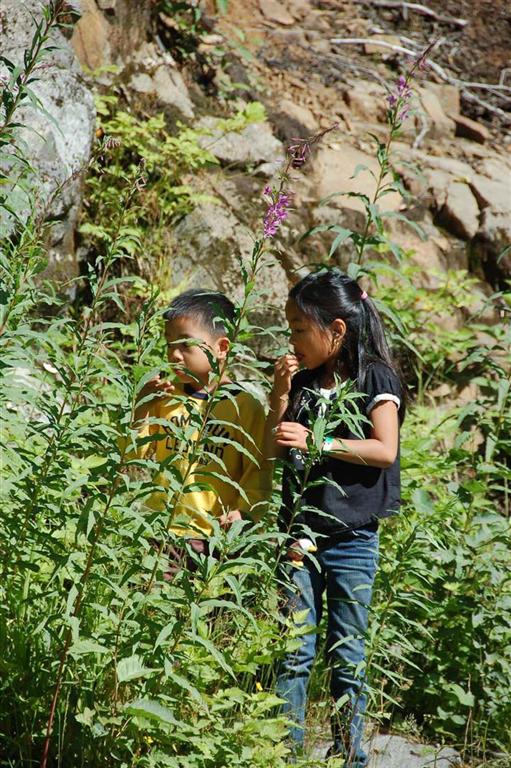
[234, 429]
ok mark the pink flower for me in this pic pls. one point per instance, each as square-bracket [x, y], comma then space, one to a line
[277, 212]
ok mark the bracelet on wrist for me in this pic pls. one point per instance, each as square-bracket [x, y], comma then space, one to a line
[328, 445]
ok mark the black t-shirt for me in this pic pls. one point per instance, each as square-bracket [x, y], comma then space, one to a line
[339, 497]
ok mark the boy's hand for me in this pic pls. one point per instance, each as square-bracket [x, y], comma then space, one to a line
[228, 518]
[157, 386]
[154, 386]
[290, 434]
[285, 368]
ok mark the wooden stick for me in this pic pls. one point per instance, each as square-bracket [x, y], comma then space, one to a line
[415, 7]
[440, 71]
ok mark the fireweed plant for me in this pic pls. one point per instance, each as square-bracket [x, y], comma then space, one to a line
[435, 590]
[105, 663]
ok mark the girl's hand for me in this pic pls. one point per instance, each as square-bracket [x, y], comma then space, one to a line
[285, 368]
[295, 552]
[290, 434]
[228, 518]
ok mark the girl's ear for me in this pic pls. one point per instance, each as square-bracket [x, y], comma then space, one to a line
[222, 345]
[338, 328]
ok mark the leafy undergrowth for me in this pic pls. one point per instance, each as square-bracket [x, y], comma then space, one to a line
[104, 662]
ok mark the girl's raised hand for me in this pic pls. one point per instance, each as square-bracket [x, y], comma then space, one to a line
[285, 369]
[295, 552]
[290, 434]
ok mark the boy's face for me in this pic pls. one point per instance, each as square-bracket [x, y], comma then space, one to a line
[187, 340]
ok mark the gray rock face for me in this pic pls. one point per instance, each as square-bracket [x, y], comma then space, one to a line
[396, 752]
[460, 213]
[59, 145]
[254, 144]
[157, 75]
[293, 120]
[491, 246]
[212, 245]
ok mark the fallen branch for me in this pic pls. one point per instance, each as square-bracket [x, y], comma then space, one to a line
[440, 71]
[504, 116]
[415, 8]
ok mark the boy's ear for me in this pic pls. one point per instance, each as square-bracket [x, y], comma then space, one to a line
[339, 328]
[222, 344]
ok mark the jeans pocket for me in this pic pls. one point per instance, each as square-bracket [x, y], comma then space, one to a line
[365, 534]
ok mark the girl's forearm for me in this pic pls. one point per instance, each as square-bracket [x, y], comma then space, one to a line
[277, 408]
[372, 452]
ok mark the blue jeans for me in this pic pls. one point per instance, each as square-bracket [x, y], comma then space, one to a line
[347, 571]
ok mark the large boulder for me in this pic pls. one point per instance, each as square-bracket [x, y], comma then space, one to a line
[211, 247]
[57, 138]
[110, 30]
[342, 168]
[491, 245]
[460, 212]
[253, 145]
[156, 75]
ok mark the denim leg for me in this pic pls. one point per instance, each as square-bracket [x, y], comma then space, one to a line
[303, 592]
[350, 569]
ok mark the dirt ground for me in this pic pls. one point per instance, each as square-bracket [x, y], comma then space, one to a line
[479, 52]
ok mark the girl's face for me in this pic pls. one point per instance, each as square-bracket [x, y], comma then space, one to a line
[313, 345]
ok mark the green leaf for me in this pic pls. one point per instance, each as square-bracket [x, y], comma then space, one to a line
[152, 710]
[132, 668]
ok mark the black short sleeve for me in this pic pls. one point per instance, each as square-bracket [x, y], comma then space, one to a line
[382, 384]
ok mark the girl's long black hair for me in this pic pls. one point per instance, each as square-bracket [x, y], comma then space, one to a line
[329, 294]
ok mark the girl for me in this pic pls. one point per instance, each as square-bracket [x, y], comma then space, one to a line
[336, 334]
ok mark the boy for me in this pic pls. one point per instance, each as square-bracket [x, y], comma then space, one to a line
[205, 404]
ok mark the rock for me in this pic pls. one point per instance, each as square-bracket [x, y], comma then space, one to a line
[492, 194]
[496, 167]
[56, 150]
[99, 41]
[253, 145]
[334, 167]
[448, 96]
[437, 184]
[440, 126]
[156, 74]
[460, 213]
[293, 121]
[171, 89]
[450, 165]
[211, 243]
[274, 11]
[91, 37]
[386, 751]
[268, 170]
[367, 101]
[298, 8]
[490, 245]
[397, 752]
[470, 129]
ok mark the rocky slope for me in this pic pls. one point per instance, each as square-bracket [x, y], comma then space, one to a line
[456, 168]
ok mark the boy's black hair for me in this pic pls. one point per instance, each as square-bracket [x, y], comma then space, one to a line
[211, 308]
